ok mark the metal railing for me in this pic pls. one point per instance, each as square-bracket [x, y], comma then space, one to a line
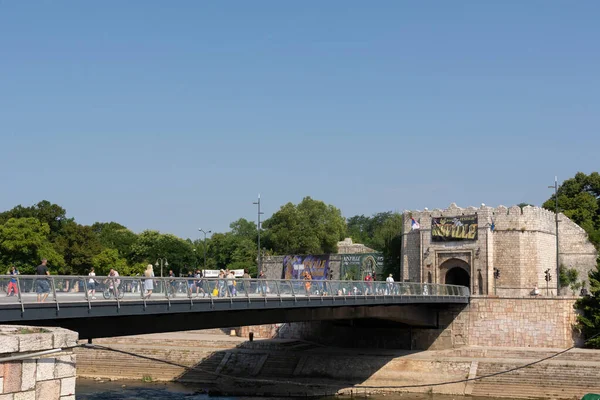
[28, 289]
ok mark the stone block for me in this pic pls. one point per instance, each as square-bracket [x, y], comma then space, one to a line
[72, 397]
[35, 341]
[8, 396]
[12, 377]
[64, 338]
[45, 369]
[67, 386]
[29, 395]
[28, 374]
[65, 366]
[9, 344]
[47, 390]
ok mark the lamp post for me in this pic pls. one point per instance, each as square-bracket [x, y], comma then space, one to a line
[203, 231]
[259, 258]
[162, 262]
[555, 187]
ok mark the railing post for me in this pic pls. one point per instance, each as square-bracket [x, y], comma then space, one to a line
[116, 292]
[87, 297]
[278, 291]
[20, 298]
[54, 293]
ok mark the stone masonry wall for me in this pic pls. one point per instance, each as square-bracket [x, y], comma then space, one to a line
[522, 246]
[522, 322]
[486, 321]
[49, 377]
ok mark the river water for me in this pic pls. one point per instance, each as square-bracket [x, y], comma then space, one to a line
[135, 390]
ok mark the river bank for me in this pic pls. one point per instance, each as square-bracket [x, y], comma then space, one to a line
[233, 366]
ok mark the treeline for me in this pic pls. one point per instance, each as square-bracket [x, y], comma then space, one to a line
[28, 234]
[44, 230]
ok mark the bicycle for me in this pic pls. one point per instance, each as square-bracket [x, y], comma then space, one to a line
[109, 291]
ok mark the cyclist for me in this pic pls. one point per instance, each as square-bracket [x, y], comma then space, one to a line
[113, 282]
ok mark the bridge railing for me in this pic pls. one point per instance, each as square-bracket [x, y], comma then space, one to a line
[26, 289]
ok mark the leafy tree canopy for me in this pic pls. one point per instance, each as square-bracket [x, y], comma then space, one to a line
[579, 199]
[381, 232]
[24, 242]
[589, 319]
[311, 227]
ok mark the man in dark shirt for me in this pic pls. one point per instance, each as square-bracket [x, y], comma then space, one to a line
[43, 287]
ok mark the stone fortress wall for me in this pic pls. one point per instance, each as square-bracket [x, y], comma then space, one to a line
[522, 246]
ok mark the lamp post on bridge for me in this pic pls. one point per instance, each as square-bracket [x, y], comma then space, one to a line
[162, 262]
[258, 258]
[204, 243]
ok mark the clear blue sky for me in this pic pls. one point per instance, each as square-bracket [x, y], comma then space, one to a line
[175, 115]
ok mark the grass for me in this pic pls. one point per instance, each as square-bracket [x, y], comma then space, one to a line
[23, 331]
[146, 379]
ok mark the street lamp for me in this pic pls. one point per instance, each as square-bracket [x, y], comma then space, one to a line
[203, 231]
[163, 262]
[259, 258]
[555, 187]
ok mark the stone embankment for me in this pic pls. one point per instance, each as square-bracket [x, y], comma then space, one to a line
[36, 365]
[231, 365]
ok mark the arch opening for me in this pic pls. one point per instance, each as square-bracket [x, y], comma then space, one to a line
[458, 276]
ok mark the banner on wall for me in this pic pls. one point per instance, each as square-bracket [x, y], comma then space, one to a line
[294, 266]
[462, 227]
[356, 266]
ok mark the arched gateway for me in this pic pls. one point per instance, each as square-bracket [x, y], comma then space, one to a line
[455, 272]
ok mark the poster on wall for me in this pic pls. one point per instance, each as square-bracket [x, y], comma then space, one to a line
[356, 266]
[295, 266]
[462, 227]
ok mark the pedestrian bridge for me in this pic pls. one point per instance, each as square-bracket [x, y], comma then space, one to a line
[122, 306]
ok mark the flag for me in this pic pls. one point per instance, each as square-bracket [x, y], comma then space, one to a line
[414, 224]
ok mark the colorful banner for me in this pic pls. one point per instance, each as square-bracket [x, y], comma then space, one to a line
[463, 227]
[356, 266]
[295, 266]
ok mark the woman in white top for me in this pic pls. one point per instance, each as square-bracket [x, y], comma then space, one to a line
[92, 284]
[149, 283]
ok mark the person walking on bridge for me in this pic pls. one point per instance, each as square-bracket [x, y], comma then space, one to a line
[12, 289]
[43, 287]
[149, 282]
[390, 284]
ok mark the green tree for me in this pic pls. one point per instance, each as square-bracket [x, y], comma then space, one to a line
[152, 245]
[588, 321]
[44, 211]
[107, 259]
[24, 242]
[78, 244]
[579, 199]
[115, 236]
[244, 229]
[311, 227]
[381, 232]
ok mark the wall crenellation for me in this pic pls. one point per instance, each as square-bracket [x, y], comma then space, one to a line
[504, 218]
